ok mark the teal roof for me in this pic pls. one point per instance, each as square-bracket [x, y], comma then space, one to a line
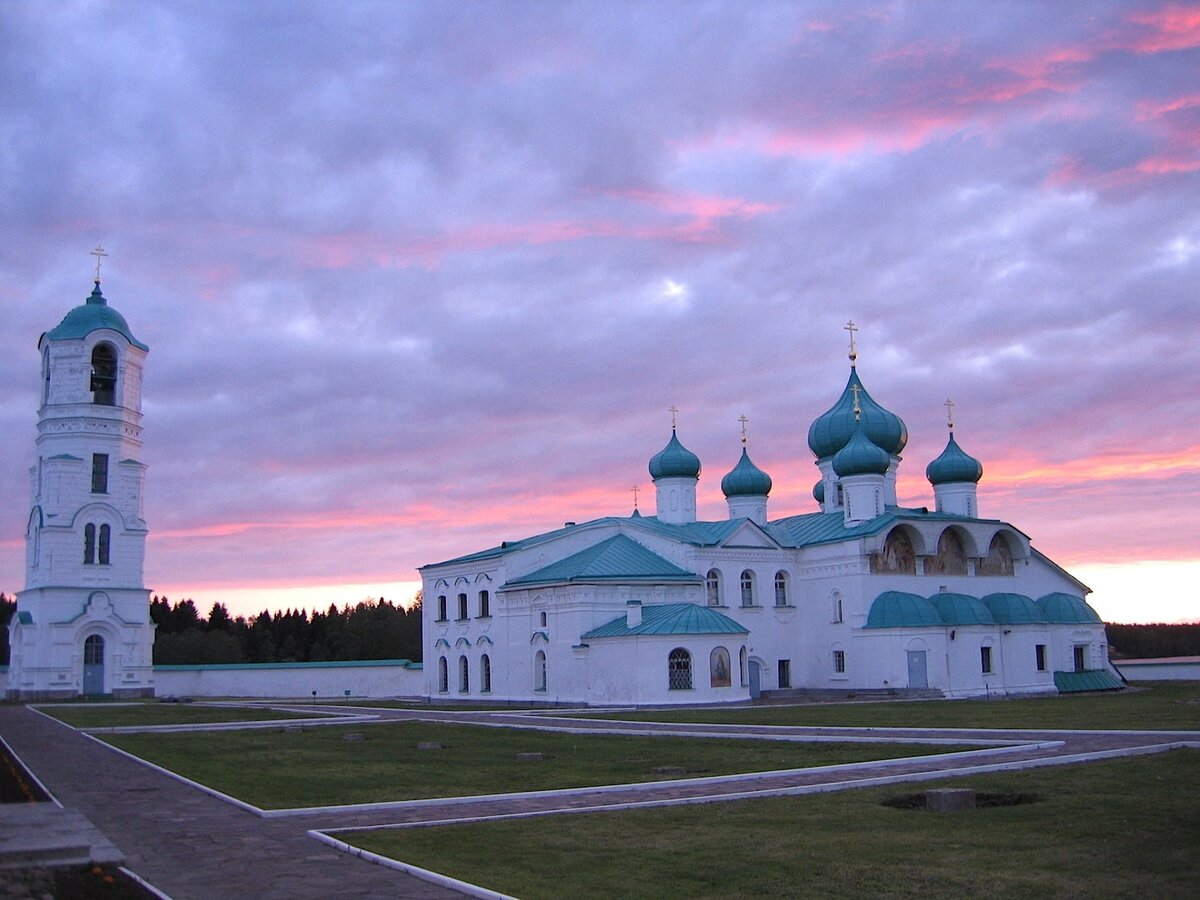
[670, 618]
[1014, 609]
[24, 617]
[961, 609]
[819, 491]
[674, 461]
[92, 316]
[1064, 609]
[860, 456]
[746, 479]
[954, 466]
[831, 430]
[1088, 680]
[618, 558]
[897, 609]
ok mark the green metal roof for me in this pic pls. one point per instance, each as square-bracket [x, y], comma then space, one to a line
[674, 461]
[25, 618]
[898, 609]
[954, 466]
[1065, 609]
[670, 618]
[961, 609]
[861, 456]
[746, 479]
[831, 430]
[1014, 609]
[92, 316]
[1089, 680]
[618, 558]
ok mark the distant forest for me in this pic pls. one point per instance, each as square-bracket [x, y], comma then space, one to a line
[379, 629]
[369, 630]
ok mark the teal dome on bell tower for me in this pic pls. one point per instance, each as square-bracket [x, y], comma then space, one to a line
[674, 461]
[95, 314]
[746, 479]
[954, 466]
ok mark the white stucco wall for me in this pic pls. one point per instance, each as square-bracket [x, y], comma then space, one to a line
[360, 678]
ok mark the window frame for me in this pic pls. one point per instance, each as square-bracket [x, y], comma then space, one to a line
[99, 473]
[781, 588]
[679, 670]
[746, 587]
[985, 660]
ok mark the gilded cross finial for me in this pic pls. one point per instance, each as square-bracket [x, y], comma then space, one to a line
[950, 414]
[851, 327]
[857, 409]
[635, 490]
[674, 413]
[99, 254]
[743, 420]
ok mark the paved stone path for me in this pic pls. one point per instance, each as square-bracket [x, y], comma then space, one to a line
[193, 845]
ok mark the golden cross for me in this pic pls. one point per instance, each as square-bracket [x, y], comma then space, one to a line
[743, 420]
[674, 411]
[635, 490]
[851, 327]
[857, 409]
[98, 253]
[950, 413]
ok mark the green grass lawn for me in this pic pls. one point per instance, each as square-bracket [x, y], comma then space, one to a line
[1154, 705]
[1127, 828]
[276, 769]
[163, 714]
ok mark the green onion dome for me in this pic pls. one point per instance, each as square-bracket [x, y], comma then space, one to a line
[93, 315]
[831, 430]
[954, 466]
[861, 457]
[819, 491]
[746, 479]
[674, 461]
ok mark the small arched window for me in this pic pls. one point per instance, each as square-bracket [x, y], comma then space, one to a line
[747, 588]
[464, 675]
[102, 545]
[836, 604]
[539, 671]
[542, 618]
[443, 675]
[104, 375]
[742, 666]
[712, 586]
[441, 610]
[485, 609]
[781, 588]
[679, 670]
[462, 606]
[89, 544]
[485, 674]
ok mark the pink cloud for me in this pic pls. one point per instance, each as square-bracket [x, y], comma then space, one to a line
[1170, 28]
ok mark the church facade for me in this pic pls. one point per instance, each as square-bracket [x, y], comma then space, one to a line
[82, 625]
[860, 595]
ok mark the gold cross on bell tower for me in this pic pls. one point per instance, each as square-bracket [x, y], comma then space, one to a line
[635, 490]
[949, 404]
[99, 254]
[674, 410]
[851, 327]
[854, 388]
[742, 418]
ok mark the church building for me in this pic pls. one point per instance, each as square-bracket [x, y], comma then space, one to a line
[82, 625]
[861, 594]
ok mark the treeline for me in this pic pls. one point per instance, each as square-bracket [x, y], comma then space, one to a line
[1152, 641]
[369, 630]
[8, 607]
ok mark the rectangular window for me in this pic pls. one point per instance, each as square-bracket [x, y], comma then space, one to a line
[785, 673]
[99, 473]
[839, 662]
[1080, 661]
[485, 610]
[462, 607]
[1039, 654]
[441, 610]
[985, 660]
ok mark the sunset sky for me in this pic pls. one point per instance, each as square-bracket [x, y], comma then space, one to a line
[421, 277]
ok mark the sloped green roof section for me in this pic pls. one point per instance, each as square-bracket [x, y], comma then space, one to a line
[1089, 680]
[1065, 609]
[92, 316]
[618, 557]
[25, 618]
[961, 609]
[1014, 609]
[670, 618]
[898, 609]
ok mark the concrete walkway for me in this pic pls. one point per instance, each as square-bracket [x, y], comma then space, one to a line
[192, 845]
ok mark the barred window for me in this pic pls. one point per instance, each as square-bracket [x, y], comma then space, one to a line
[679, 670]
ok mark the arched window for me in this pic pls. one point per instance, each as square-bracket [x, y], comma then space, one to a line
[712, 586]
[104, 375]
[484, 605]
[718, 668]
[93, 651]
[781, 586]
[747, 588]
[742, 666]
[102, 545]
[679, 670]
[45, 376]
[542, 618]
[464, 675]
[89, 544]
[462, 606]
[539, 671]
[836, 603]
[441, 610]
[443, 675]
[485, 674]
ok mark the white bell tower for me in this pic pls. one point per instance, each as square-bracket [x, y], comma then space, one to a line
[82, 625]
